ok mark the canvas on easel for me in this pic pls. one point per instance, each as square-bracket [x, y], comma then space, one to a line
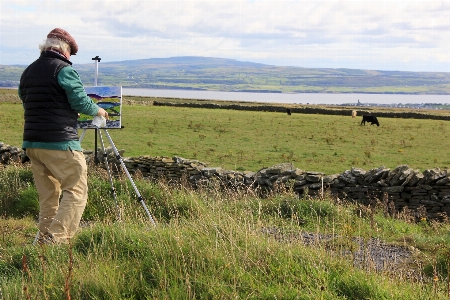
[110, 99]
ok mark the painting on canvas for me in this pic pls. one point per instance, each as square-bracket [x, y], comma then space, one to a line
[110, 99]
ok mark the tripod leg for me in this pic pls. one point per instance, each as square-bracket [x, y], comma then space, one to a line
[113, 190]
[82, 135]
[129, 177]
[96, 161]
[36, 237]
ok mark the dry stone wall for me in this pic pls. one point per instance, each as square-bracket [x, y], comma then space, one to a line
[336, 110]
[426, 194]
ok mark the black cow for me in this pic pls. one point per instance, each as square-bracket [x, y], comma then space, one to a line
[371, 119]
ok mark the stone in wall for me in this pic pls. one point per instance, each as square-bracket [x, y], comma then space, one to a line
[11, 154]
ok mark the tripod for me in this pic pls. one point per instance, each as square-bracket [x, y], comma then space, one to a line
[119, 158]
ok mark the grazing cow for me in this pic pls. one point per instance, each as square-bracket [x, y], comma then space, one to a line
[371, 119]
[288, 111]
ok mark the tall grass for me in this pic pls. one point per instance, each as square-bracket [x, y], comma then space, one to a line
[215, 244]
[18, 195]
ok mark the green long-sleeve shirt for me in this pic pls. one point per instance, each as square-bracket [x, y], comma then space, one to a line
[70, 81]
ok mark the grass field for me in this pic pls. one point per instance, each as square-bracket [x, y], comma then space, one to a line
[216, 244]
[248, 140]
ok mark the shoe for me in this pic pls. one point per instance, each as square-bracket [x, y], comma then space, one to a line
[46, 239]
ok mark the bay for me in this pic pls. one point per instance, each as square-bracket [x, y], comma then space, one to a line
[302, 98]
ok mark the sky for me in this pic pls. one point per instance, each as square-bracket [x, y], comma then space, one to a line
[397, 35]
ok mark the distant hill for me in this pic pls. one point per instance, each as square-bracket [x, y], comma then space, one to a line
[210, 73]
[186, 61]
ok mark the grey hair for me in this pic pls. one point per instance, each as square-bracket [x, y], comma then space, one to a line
[57, 44]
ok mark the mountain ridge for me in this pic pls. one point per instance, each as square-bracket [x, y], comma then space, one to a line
[224, 74]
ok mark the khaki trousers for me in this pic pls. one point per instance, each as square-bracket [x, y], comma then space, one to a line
[57, 171]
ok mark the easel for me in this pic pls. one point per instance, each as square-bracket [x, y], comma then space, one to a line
[105, 158]
[118, 157]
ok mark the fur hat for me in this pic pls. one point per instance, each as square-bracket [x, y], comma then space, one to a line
[63, 35]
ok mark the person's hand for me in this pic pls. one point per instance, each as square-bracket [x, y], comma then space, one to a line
[102, 113]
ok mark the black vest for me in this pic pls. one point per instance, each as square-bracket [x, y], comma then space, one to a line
[48, 115]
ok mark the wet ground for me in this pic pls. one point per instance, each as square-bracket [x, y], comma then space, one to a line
[371, 254]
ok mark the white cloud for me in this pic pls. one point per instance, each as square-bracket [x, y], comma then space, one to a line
[387, 34]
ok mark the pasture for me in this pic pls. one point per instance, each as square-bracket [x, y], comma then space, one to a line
[249, 140]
